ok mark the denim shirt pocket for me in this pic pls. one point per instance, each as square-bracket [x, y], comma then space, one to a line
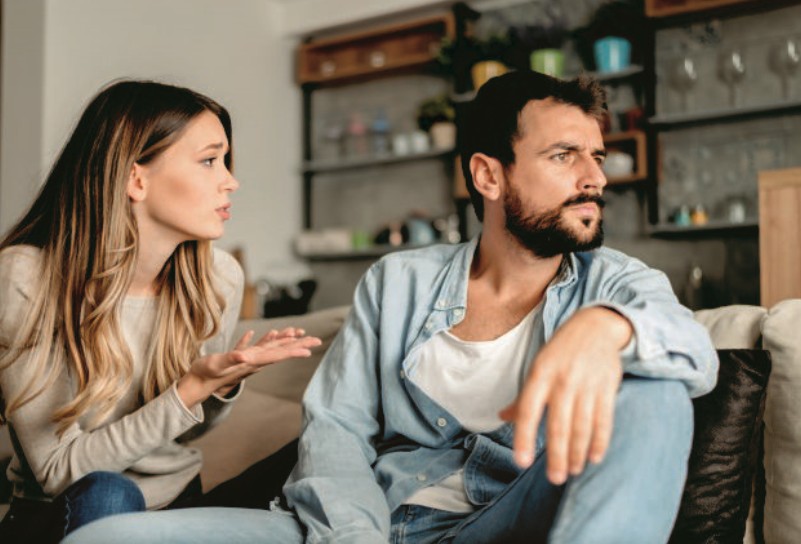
[490, 467]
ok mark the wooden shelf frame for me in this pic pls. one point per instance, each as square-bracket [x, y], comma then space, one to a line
[373, 52]
[670, 8]
[634, 143]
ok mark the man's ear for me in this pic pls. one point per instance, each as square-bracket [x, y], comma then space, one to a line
[487, 175]
[137, 183]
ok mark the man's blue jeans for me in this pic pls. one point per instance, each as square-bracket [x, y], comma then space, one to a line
[632, 496]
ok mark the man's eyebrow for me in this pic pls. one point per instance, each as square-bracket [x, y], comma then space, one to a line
[560, 146]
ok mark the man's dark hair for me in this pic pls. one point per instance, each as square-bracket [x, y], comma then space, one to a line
[490, 124]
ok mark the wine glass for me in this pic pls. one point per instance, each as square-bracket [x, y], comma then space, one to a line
[731, 70]
[784, 60]
[682, 78]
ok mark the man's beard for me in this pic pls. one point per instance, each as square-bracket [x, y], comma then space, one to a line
[546, 234]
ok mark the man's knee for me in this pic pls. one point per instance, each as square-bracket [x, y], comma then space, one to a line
[657, 411]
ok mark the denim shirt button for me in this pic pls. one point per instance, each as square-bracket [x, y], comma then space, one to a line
[403, 375]
[429, 325]
[441, 422]
[422, 477]
[458, 312]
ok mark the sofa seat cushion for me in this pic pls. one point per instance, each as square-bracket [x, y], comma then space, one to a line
[781, 330]
[257, 426]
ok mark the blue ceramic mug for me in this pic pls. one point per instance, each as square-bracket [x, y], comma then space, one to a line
[612, 54]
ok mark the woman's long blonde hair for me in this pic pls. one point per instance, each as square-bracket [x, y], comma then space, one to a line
[83, 224]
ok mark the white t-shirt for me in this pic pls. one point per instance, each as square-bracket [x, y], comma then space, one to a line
[473, 381]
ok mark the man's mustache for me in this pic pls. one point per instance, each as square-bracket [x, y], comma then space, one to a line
[584, 199]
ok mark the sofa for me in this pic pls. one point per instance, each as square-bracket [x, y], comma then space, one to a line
[268, 414]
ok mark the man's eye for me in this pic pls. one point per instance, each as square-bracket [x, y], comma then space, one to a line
[561, 157]
[600, 159]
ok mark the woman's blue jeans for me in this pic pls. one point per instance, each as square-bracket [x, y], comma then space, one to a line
[96, 495]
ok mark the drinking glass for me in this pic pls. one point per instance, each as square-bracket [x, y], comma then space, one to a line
[682, 78]
[731, 70]
[784, 60]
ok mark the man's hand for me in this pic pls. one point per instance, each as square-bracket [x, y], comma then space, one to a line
[576, 375]
[220, 372]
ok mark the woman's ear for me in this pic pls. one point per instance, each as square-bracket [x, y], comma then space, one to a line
[487, 175]
[137, 183]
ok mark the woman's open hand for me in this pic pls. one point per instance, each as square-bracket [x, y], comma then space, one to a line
[221, 372]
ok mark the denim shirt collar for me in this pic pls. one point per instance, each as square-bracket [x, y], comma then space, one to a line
[458, 275]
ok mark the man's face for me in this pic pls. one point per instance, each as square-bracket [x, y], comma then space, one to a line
[553, 192]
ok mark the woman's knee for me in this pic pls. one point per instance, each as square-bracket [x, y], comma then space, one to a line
[98, 495]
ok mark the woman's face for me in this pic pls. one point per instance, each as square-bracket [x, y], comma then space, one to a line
[184, 193]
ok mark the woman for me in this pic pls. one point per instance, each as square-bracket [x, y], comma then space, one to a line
[116, 316]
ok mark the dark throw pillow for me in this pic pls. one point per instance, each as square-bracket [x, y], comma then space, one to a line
[726, 444]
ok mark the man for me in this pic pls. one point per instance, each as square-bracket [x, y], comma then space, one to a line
[528, 386]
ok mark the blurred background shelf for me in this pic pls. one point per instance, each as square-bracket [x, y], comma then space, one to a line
[322, 166]
[713, 228]
[371, 253]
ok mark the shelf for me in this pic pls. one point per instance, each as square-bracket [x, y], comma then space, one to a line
[372, 252]
[727, 114]
[314, 167]
[631, 142]
[713, 228]
[374, 52]
[668, 8]
[631, 71]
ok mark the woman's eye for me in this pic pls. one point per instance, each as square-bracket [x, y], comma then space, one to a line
[209, 161]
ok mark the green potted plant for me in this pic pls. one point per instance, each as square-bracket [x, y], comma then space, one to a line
[436, 116]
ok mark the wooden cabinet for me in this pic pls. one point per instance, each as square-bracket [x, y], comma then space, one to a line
[666, 8]
[779, 235]
[376, 51]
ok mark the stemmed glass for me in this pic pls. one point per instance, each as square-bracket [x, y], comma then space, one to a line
[784, 60]
[682, 77]
[731, 70]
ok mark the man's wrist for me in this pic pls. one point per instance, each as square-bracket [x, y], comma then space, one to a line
[614, 325]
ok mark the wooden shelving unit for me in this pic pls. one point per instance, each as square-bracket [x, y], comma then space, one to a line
[633, 143]
[373, 52]
[669, 8]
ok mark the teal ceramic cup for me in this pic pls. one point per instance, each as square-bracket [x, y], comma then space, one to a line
[612, 54]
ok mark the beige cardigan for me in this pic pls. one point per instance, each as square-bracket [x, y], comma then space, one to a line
[144, 442]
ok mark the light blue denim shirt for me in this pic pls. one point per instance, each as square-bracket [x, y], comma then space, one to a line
[371, 437]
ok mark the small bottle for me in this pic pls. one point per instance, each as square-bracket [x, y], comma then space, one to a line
[357, 136]
[699, 215]
[379, 131]
[682, 217]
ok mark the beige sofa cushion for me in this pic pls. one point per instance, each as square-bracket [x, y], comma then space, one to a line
[733, 327]
[288, 379]
[257, 426]
[781, 331]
